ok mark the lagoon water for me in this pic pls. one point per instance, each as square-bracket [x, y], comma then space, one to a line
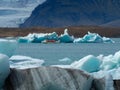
[54, 54]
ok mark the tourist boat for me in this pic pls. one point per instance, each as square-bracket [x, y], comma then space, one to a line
[50, 41]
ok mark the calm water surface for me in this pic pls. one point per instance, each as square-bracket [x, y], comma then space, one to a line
[53, 53]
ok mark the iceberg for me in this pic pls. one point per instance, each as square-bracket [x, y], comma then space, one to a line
[66, 38]
[105, 39]
[24, 62]
[4, 68]
[92, 38]
[89, 63]
[8, 47]
[26, 39]
[63, 38]
[99, 66]
[111, 61]
[38, 37]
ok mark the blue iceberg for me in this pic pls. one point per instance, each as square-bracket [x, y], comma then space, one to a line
[66, 38]
[27, 39]
[89, 63]
[38, 37]
[63, 38]
[41, 37]
[93, 38]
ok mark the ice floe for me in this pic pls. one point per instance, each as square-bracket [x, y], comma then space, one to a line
[24, 62]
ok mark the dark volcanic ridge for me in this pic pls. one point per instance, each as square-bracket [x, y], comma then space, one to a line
[60, 13]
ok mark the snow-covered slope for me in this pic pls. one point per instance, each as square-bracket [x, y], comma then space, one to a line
[14, 12]
[57, 13]
[115, 23]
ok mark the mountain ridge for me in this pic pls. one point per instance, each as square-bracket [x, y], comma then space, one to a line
[56, 13]
[14, 12]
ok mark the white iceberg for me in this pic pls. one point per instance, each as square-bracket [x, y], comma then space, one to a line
[66, 38]
[7, 47]
[24, 62]
[4, 68]
[93, 38]
[107, 40]
[111, 61]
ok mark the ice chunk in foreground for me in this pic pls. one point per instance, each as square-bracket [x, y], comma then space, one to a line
[111, 61]
[66, 38]
[7, 47]
[4, 68]
[108, 63]
[24, 62]
[88, 63]
[93, 38]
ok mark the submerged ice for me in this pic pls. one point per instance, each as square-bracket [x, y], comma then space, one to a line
[64, 38]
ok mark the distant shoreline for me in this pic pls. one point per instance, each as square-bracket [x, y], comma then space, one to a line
[76, 31]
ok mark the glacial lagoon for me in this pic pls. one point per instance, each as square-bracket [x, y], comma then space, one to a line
[66, 53]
